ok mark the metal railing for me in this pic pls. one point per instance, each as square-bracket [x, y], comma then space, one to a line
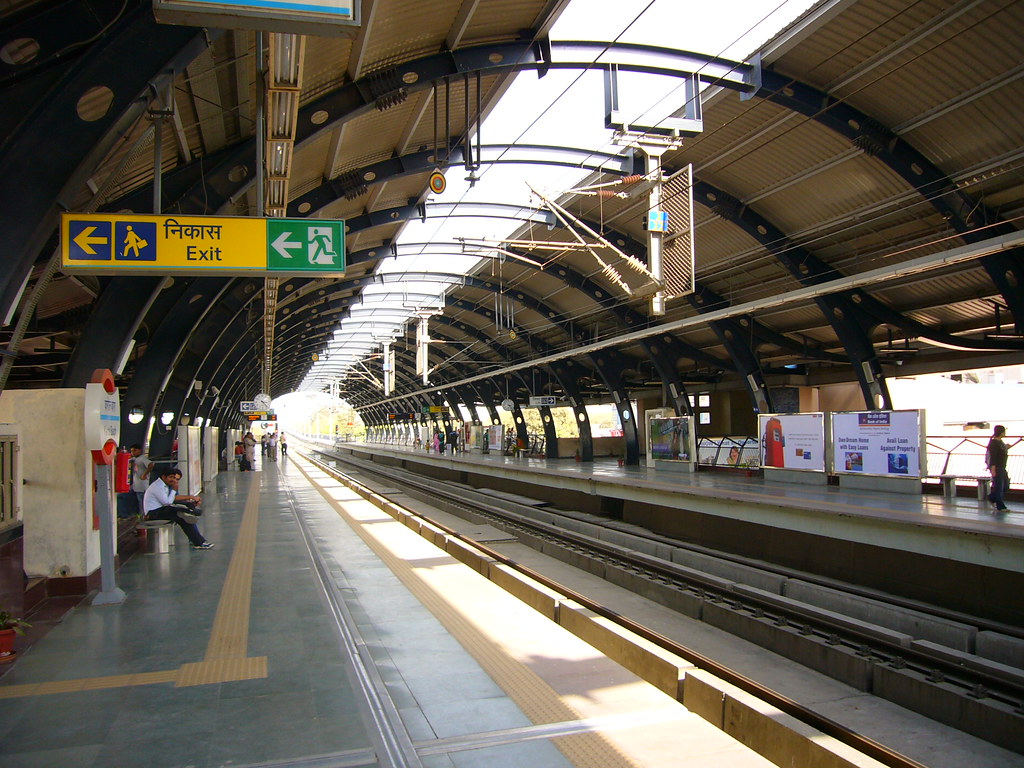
[964, 456]
[730, 451]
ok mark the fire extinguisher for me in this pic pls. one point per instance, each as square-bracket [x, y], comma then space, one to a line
[123, 472]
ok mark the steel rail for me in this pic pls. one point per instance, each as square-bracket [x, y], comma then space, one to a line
[783, 703]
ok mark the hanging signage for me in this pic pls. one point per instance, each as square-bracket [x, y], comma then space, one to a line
[428, 409]
[125, 244]
[540, 401]
[325, 18]
[403, 417]
[792, 441]
[886, 443]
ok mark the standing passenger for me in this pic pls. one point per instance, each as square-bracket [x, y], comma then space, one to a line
[995, 460]
[272, 446]
[141, 465]
[249, 442]
[284, 445]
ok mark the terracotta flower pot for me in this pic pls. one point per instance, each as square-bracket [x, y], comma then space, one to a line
[6, 645]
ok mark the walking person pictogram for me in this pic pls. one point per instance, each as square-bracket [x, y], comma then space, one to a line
[132, 242]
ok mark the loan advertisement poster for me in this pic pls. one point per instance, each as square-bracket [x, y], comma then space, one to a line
[671, 439]
[792, 440]
[878, 443]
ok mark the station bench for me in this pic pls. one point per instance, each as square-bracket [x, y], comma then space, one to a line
[158, 535]
[949, 485]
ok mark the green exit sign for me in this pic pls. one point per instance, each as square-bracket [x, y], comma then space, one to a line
[304, 245]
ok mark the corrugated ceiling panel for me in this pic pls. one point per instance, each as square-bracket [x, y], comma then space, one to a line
[858, 183]
[326, 63]
[308, 165]
[939, 65]
[863, 30]
[501, 19]
[782, 156]
[400, 30]
[975, 134]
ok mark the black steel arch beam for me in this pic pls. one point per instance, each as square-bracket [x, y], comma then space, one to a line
[380, 88]
[218, 329]
[113, 322]
[73, 147]
[156, 365]
[968, 216]
[852, 327]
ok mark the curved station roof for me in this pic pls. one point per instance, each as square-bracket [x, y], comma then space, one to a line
[856, 186]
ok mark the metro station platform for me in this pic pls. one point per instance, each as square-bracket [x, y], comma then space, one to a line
[951, 551]
[321, 632]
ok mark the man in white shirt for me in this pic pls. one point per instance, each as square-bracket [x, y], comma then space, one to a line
[141, 466]
[163, 502]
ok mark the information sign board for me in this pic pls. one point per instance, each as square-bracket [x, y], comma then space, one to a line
[325, 18]
[126, 244]
[889, 443]
[539, 401]
[792, 441]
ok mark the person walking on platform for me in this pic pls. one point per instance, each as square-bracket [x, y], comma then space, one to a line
[163, 502]
[995, 460]
[141, 466]
[284, 445]
[272, 446]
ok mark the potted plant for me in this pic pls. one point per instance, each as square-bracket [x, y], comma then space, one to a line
[9, 627]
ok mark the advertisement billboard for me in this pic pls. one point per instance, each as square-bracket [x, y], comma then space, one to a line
[888, 443]
[671, 438]
[792, 441]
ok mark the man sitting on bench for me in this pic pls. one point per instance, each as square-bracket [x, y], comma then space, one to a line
[163, 502]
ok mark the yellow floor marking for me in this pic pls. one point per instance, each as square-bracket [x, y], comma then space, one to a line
[87, 684]
[537, 700]
[225, 659]
[229, 638]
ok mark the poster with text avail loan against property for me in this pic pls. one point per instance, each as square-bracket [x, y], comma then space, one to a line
[878, 443]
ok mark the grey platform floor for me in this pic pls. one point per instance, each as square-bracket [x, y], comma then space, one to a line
[294, 640]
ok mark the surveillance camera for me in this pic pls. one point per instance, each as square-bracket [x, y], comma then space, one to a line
[214, 391]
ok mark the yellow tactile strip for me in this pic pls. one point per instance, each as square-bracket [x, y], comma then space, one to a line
[537, 700]
[229, 637]
[225, 659]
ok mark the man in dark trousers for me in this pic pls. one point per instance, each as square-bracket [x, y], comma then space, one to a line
[163, 502]
[995, 459]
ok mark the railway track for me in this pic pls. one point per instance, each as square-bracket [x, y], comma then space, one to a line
[971, 693]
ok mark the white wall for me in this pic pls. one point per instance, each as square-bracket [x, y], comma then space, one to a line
[57, 495]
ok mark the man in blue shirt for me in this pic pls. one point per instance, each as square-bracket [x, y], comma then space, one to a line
[163, 502]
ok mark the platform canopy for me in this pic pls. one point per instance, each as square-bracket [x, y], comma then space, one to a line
[857, 195]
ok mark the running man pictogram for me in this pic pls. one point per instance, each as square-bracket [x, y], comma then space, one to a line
[321, 247]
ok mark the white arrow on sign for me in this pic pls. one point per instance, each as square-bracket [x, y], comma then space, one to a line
[281, 244]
